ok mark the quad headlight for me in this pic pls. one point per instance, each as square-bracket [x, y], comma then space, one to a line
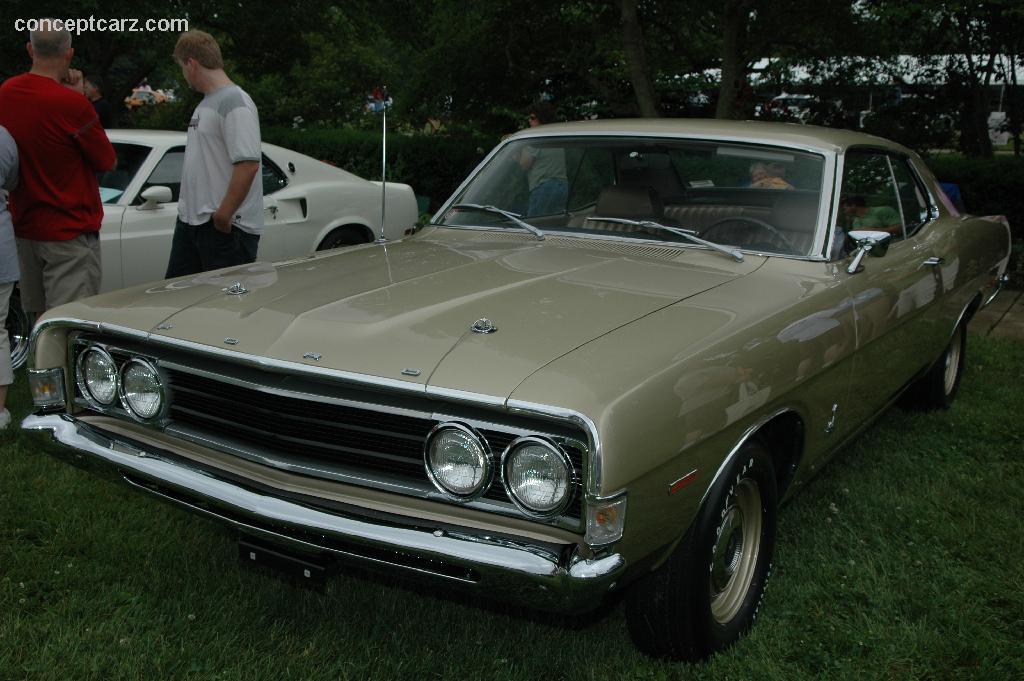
[537, 475]
[458, 461]
[107, 381]
[97, 377]
[141, 390]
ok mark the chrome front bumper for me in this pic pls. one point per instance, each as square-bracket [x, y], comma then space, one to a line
[536, 575]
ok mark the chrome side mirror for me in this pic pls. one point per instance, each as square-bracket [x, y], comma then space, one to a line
[867, 241]
[154, 196]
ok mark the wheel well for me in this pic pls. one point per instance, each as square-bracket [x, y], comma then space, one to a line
[784, 436]
[361, 230]
[972, 307]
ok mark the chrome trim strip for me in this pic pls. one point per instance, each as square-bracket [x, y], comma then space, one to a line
[996, 290]
[521, 571]
[743, 439]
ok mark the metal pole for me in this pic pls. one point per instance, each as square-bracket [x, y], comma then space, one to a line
[383, 170]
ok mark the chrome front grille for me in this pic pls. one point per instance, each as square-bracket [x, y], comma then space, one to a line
[375, 447]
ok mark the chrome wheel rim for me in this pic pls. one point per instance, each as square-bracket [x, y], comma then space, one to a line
[952, 362]
[736, 550]
[18, 332]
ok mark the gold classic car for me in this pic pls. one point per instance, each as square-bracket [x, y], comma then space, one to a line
[601, 368]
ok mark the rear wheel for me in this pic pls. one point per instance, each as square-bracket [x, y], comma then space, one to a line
[18, 330]
[938, 388]
[708, 592]
[343, 236]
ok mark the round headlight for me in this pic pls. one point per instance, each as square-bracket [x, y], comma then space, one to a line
[97, 376]
[538, 476]
[458, 461]
[141, 390]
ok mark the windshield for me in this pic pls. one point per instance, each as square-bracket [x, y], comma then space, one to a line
[756, 198]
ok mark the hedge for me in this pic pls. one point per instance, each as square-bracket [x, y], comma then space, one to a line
[988, 186]
[433, 164]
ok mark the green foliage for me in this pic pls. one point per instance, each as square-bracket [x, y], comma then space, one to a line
[988, 186]
[433, 164]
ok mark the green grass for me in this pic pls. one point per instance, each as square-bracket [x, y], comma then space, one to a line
[904, 559]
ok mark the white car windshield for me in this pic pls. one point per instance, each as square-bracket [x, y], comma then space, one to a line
[755, 198]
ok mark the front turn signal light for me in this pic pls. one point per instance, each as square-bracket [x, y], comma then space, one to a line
[47, 387]
[606, 519]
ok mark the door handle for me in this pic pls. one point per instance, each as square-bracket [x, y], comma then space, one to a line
[932, 262]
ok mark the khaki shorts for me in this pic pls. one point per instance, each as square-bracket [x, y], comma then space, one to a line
[6, 374]
[58, 272]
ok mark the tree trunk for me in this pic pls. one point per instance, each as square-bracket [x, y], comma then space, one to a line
[735, 15]
[974, 139]
[636, 58]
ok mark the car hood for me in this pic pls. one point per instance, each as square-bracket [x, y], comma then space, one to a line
[404, 311]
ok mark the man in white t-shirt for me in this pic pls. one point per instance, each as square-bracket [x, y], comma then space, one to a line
[220, 210]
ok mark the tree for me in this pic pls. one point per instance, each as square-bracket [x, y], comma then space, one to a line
[636, 57]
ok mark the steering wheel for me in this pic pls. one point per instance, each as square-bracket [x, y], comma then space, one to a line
[753, 221]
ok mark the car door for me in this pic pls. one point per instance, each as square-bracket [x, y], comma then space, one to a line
[277, 241]
[115, 193]
[895, 296]
[146, 231]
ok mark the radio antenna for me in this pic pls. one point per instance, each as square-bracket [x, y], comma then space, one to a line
[383, 171]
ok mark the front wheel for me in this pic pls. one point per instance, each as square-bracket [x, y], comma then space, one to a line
[708, 592]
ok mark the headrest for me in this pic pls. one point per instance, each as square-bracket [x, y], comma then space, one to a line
[795, 212]
[634, 203]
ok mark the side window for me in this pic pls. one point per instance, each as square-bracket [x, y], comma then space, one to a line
[912, 202]
[167, 173]
[273, 177]
[869, 199]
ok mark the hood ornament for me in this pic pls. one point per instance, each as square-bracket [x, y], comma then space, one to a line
[483, 325]
[231, 341]
[236, 289]
[315, 356]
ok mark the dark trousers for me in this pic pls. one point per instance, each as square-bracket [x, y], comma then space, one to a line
[199, 248]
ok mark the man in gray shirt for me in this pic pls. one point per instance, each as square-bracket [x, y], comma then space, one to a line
[8, 263]
[545, 168]
[220, 210]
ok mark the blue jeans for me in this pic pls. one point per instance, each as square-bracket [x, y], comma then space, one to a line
[548, 197]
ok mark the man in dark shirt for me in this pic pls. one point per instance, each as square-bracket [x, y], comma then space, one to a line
[94, 91]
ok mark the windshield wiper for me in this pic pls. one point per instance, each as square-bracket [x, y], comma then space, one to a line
[518, 219]
[685, 233]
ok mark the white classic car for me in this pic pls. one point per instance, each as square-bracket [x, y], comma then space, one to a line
[308, 206]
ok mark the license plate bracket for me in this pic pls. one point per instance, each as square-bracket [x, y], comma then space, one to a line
[306, 568]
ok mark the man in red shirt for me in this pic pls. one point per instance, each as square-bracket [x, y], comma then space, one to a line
[56, 208]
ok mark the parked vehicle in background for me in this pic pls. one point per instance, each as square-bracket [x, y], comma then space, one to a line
[308, 206]
[147, 97]
[611, 395]
[793, 106]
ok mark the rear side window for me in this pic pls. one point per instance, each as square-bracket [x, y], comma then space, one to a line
[912, 201]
